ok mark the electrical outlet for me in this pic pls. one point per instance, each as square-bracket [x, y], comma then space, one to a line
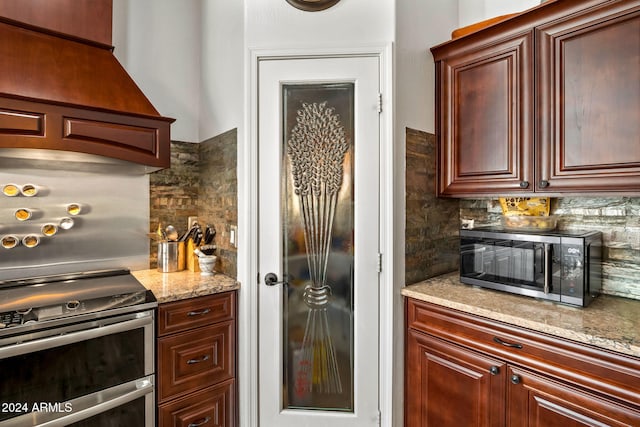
[190, 221]
[233, 235]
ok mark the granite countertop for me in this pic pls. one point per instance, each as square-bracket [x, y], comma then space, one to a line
[185, 284]
[609, 322]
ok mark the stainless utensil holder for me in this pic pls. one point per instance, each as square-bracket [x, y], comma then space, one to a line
[171, 257]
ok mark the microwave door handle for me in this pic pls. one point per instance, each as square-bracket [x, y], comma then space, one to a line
[587, 270]
[547, 267]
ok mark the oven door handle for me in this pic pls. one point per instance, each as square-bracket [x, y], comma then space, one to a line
[73, 337]
[91, 405]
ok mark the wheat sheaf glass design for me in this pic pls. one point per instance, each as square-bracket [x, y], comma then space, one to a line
[317, 149]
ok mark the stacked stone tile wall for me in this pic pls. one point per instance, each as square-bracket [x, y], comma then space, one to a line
[201, 182]
[618, 218]
[431, 228]
[174, 192]
[218, 195]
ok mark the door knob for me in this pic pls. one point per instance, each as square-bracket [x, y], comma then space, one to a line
[271, 279]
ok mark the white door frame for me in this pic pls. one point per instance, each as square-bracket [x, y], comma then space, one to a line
[248, 228]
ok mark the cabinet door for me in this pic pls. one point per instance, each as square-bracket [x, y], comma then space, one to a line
[192, 360]
[589, 100]
[535, 401]
[447, 385]
[188, 314]
[484, 118]
[211, 407]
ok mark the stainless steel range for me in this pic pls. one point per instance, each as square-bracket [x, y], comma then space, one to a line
[77, 349]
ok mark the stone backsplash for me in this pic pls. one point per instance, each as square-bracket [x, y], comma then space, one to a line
[618, 218]
[202, 182]
[218, 195]
[431, 228]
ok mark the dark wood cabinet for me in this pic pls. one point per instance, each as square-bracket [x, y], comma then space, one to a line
[197, 361]
[485, 112]
[445, 378]
[466, 370]
[547, 102]
[588, 84]
[537, 401]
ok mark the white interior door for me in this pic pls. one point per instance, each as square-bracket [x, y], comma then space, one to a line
[319, 214]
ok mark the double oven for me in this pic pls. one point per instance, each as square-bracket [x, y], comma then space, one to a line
[77, 350]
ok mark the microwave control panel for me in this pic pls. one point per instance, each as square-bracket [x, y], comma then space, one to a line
[573, 263]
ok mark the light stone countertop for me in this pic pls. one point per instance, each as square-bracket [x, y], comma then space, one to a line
[609, 322]
[185, 284]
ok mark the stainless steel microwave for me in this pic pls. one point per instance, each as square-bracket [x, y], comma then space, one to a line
[562, 266]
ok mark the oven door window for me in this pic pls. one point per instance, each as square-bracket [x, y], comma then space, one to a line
[509, 262]
[54, 375]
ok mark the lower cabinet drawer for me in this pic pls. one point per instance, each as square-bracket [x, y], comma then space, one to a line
[211, 407]
[193, 360]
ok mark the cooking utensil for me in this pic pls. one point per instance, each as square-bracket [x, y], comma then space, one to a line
[198, 234]
[186, 235]
[209, 234]
[171, 233]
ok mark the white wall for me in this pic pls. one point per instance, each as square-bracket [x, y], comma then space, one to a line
[188, 57]
[222, 62]
[276, 24]
[419, 25]
[472, 11]
[158, 43]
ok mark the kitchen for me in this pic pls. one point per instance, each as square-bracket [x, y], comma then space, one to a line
[211, 100]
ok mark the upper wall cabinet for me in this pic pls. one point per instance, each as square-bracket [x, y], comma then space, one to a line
[545, 102]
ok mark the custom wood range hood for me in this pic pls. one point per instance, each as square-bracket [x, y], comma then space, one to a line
[61, 91]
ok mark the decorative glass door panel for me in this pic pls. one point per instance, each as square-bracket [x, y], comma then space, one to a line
[318, 246]
[318, 218]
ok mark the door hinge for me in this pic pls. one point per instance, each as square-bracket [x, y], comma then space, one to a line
[379, 103]
[379, 265]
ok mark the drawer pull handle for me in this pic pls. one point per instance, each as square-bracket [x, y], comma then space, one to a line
[202, 359]
[507, 344]
[198, 313]
[201, 423]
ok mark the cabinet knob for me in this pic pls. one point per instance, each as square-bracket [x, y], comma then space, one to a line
[524, 184]
[515, 379]
[544, 183]
[494, 370]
